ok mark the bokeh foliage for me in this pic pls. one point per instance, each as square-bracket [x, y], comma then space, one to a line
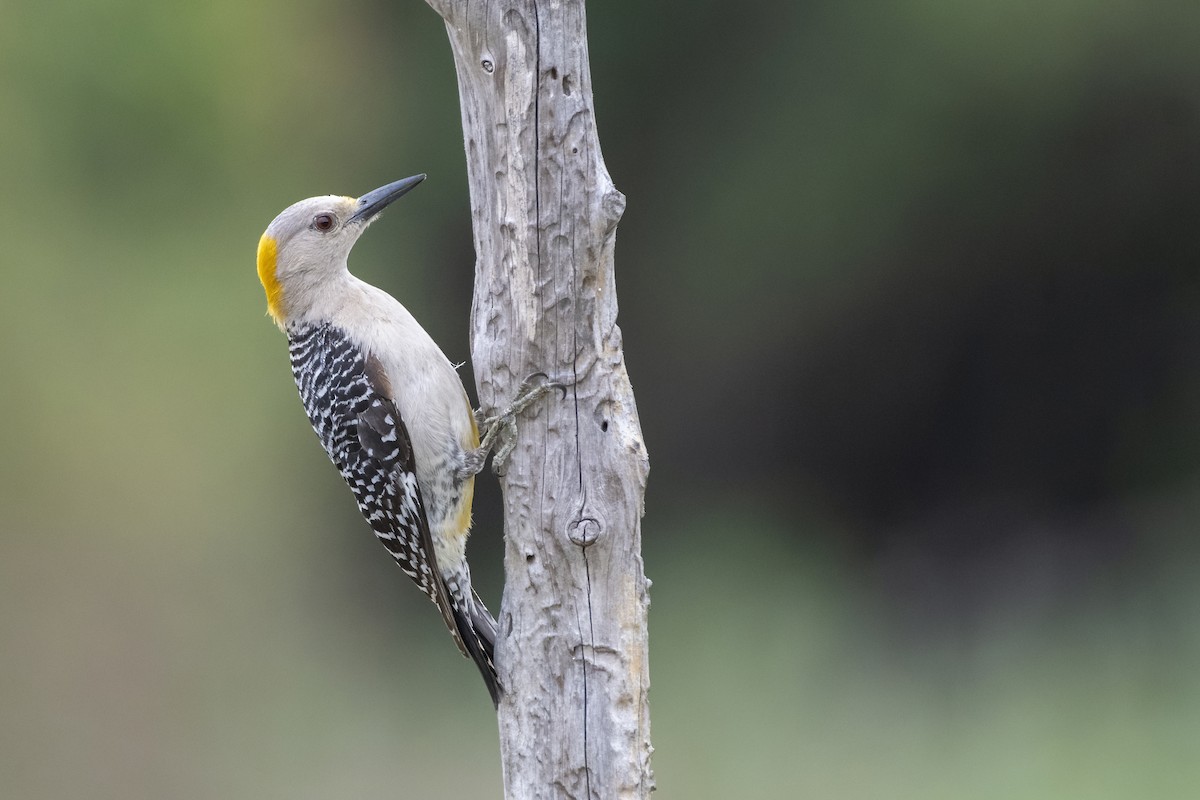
[909, 296]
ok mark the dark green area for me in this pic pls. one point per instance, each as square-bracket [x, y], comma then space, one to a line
[909, 299]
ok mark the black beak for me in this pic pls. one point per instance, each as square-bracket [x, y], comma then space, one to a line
[372, 203]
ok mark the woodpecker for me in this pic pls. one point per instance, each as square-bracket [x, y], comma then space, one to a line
[386, 404]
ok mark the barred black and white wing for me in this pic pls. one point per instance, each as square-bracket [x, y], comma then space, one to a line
[350, 404]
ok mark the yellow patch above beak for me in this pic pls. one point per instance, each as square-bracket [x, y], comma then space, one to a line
[267, 250]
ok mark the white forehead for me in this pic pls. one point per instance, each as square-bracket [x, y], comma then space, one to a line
[298, 216]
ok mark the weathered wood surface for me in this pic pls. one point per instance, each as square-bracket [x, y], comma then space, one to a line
[573, 653]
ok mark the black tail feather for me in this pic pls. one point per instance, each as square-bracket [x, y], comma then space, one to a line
[479, 635]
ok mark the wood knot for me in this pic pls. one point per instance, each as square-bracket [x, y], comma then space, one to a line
[584, 531]
[488, 65]
[613, 205]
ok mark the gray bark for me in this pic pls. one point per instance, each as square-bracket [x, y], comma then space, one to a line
[572, 655]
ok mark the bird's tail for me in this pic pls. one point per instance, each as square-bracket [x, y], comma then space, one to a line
[477, 630]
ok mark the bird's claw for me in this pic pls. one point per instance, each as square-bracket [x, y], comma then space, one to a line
[500, 430]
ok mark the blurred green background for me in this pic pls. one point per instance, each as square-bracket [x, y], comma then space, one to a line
[909, 294]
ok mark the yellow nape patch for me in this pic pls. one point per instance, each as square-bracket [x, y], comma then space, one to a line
[267, 251]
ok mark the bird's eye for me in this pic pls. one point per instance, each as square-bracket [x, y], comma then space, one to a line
[323, 222]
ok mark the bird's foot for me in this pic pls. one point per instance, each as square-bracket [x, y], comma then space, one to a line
[500, 430]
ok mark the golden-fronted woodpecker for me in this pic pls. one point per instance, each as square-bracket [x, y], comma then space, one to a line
[386, 403]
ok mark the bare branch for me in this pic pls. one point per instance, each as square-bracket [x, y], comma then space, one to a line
[573, 653]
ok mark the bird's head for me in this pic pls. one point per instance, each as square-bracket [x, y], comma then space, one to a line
[311, 241]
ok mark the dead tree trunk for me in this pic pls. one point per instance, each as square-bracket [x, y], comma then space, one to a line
[572, 655]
